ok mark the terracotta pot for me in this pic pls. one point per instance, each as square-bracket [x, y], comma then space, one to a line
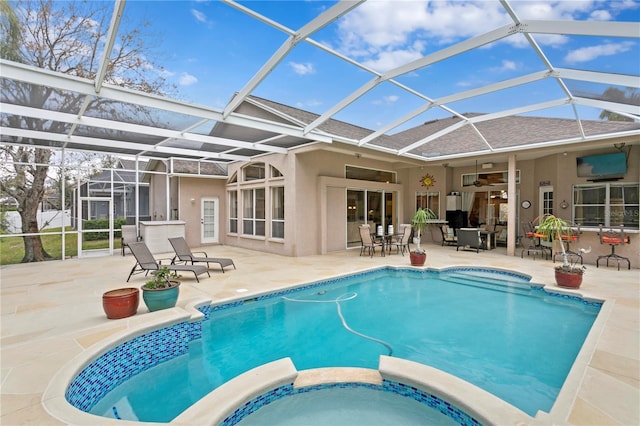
[568, 279]
[120, 303]
[161, 298]
[417, 259]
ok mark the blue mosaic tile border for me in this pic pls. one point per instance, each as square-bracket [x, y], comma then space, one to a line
[569, 297]
[444, 407]
[128, 359]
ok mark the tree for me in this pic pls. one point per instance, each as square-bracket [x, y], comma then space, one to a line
[628, 96]
[65, 37]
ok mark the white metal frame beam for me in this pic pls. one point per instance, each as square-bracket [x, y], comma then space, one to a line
[32, 75]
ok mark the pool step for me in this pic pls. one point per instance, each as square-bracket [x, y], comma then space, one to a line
[497, 282]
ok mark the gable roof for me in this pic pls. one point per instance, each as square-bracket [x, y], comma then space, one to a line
[433, 140]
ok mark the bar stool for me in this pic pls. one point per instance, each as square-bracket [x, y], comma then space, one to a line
[613, 236]
[568, 239]
[531, 242]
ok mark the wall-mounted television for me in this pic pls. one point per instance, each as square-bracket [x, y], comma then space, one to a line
[602, 166]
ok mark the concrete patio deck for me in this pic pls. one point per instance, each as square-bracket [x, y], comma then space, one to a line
[52, 311]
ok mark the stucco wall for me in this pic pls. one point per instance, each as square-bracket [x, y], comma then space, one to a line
[315, 193]
[191, 191]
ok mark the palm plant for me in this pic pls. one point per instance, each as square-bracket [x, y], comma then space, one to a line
[420, 222]
[558, 229]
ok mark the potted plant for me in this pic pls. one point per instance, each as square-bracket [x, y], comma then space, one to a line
[121, 302]
[420, 223]
[559, 230]
[161, 291]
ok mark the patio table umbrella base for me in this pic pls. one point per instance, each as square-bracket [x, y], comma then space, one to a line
[121, 303]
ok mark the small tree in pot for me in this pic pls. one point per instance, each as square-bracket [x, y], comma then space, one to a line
[558, 230]
[420, 223]
[162, 290]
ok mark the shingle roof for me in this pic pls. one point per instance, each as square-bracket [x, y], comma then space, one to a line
[505, 132]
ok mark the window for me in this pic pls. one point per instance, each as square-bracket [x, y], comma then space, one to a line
[254, 171]
[492, 178]
[275, 173]
[233, 211]
[609, 204]
[370, 174]
[430, 200]
[277, 212]
[253, 218]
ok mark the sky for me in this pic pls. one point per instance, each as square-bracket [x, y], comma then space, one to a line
[211, 50]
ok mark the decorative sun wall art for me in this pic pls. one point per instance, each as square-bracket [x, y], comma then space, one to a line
[427, 180]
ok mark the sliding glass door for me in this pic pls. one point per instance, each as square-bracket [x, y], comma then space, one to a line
[377, 208]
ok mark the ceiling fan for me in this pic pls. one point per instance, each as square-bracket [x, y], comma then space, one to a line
[476, 182]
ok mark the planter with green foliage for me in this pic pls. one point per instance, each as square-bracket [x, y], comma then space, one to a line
[161, 292]
[420, 222]
[559, 230]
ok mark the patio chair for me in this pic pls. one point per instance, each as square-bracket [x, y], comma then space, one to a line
[184, 254]
[448, 236]
[145, 262]
[368, 243]
[469, 238]
[614, 236]
[402, 243]
[128, 234]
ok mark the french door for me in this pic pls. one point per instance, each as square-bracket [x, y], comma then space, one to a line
[209, 221]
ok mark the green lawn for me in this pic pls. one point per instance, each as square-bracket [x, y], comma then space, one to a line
[12, 248]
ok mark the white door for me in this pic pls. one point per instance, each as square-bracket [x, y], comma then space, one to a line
[209, 220]
[546, 200]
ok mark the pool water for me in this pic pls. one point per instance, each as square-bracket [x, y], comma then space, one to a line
[496, 332]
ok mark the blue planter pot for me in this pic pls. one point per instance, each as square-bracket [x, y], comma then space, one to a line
[162, 298]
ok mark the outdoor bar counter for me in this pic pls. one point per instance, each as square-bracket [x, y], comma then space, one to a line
[590, 237]
[156, 234]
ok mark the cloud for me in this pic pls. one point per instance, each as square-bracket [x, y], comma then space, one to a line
[387, 34]
[187, 79]
[386, 100]
[309, 104]
[507, 65]
[601, 15]
[302, 69]
[200, 17]
[590, 53]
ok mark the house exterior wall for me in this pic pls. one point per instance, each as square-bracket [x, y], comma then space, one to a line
[286, 165]
[315, 195]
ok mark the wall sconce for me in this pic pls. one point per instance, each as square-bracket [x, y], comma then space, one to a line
[564, 204]
[193, 200]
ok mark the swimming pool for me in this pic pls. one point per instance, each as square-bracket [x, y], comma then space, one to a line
[425, 316]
